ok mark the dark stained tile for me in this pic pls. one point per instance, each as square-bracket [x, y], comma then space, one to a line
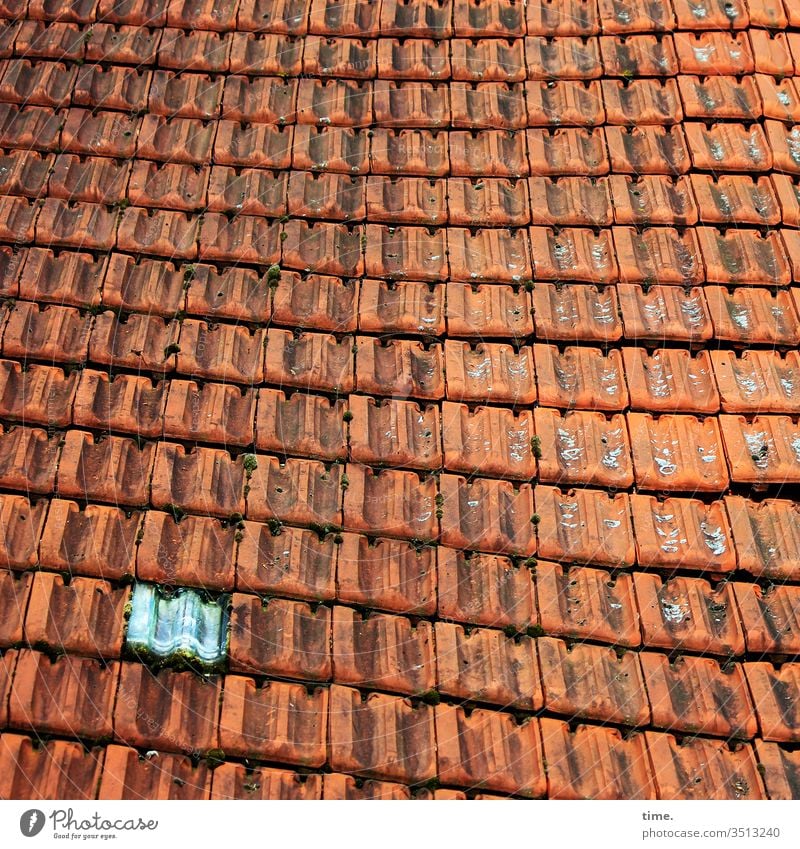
[274, 721]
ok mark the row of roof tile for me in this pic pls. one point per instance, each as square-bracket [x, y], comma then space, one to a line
[656, 255]
[472, 58]
[554, 312]
[574, 526]
[308, 641]
[695, 768]
[729, 199]
[469, 370]
[429, 18]
[390, 103]
[179, 712]
[567, 151]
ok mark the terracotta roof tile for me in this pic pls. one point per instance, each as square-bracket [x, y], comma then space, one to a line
[593, 682]
[584, 526]
[420, 153]
[206, 481]
[769, 618]
[775, 696]
[484, 255]
[199, 50]
[35, 39]
[563, 17]
[647, 150]
[670, 380]
[136, 341]
[21, 528]
[116, 88]
[488, 441]
[95, 541]
[394, 503]
[570, 200]
[666, 313]
[658, 255]
[309, 359]
[677, 453]
[383, 651]
[25, 172]
[173, 711]
[65, 277]
[575, 770]
[233, 293]
[220, 352]
[486, 665]
[573, 254]
[386, 574]
[114, 470]
[489, 749]
[309, 425]
[568, 151]
[638, 55]
[394, 432]
[490, 59]
[761, 451]
[28, 459]
[753, 316]
[400, 367]
[778, 768]
[129, 775]
[689, 614]
[286, 561]
[388, 737]
[641, 102]
[683, 533]
[55, 769]
[14, 594]
[721, 97]
[408, 200]
[494, 516]
[696, 694]
[209, 412]
[771, 52]
[40, 128]
[195, 552]
[781, 99]
[235, 781]
[321, 57]
[767, 542]
[280, 637]
[37, 395]
[255, 145]
[584, 447]
[170, 186]
[575, 312]
[587, 604]
[710, 15]
[580, 377]
[758, 381]
[83, 617]
[301, 492]
[339, 787]
[698, 768]
[483, 589]
[652, 199]
[70, 696]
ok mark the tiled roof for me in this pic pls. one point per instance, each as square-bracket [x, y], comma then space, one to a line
[399, 399]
